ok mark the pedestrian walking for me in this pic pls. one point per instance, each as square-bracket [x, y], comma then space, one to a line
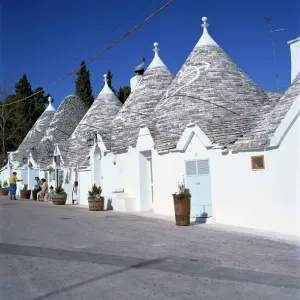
[13, 185]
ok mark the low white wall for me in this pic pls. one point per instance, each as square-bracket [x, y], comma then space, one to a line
[265, 199]
[120, 172]
[4, 175]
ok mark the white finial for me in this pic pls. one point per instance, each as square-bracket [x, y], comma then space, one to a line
[155, 47]
[50, 107]
[156, 62]
[206, 39]
[204, 20]
[106, 89]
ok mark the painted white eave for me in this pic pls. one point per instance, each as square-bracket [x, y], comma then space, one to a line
[293, 41]
[145, 140]
[188, 134]
[56, 150]
[285, 125]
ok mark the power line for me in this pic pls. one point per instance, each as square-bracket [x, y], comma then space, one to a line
[97, 55]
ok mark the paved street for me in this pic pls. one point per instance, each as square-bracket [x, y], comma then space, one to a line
[52, 252]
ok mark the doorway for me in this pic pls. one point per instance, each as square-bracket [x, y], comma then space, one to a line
[146, 180]
[97, 167]
[198, 182]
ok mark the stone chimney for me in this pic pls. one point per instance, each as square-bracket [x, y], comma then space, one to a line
[139, 71]
[134, 81]
[295, 57]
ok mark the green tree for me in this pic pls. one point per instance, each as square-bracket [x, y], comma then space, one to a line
[109, 81]
[83, 85]
[17, 119]
[123, 93]
[23, 90]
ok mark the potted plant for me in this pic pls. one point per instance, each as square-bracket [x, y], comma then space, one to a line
[182, 205]
[25, 193]
[60, 196]
[96, 201]
[4, 190]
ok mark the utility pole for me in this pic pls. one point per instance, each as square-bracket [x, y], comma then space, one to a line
[273, 49]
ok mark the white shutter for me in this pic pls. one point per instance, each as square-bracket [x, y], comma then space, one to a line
[202, 167]
[190, 168]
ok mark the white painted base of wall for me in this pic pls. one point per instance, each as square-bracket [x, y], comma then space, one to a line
[121, 202]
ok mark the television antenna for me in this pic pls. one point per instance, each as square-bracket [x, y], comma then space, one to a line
[272, 30]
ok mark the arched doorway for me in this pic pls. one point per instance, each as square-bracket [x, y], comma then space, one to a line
[97, 167]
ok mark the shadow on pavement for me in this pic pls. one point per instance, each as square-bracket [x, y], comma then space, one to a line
[205, 267]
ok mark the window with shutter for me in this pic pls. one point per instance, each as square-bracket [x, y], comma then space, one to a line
[202, 167]
[191, 168]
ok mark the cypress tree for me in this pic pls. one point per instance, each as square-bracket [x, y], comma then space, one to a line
[123, 93]
[83, 85]
[23, 90]
[109, 81]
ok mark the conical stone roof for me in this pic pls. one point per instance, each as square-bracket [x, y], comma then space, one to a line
[260, 136]
[34, 136]
[65, 120]
[211, 91]
[97, 119]
[140, 105]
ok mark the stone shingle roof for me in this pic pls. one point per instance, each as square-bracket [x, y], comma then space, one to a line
[33, 137]
[65, 120]
[273, 97]
[211, 91]
[140, 105]
[259, 137]
[98, 118]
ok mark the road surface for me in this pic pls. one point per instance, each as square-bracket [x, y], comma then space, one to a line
[53, 252]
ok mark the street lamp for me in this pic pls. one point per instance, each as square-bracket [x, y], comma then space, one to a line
[50, 154]
[91, 140]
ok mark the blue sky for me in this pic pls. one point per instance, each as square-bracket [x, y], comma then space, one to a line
[48, 39]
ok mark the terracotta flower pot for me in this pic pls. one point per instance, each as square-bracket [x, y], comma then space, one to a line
[25, 194]
[96, 204]
[59, 199]
[4, 191]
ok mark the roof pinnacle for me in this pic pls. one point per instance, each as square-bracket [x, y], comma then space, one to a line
[106, 89]
[206, 39]
[156, 49]
[105, 78]
[156, 62]
[50, 107]
[204, 25]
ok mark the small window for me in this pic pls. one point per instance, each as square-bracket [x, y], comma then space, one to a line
[258, 162]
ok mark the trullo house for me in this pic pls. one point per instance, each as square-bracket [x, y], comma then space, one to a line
[215, 128]
[66, 118]
[80, 171]
[126, 168]
[20, 160]
[236, 146]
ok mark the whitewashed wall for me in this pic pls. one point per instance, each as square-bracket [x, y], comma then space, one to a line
[4, 175]
[264, 199]
[169, 170]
